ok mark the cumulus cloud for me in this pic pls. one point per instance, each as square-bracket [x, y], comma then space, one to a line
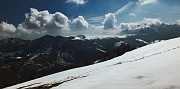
[130, 26]
[76, 1]
[43, 19]
[80, 23]
[109, 22]
[7, 30]
[132, 14]
[146, 22]
[7, 27]
[42, 22]
[145, 2]
[124, 8]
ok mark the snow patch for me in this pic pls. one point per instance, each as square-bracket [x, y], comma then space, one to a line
[140, 40]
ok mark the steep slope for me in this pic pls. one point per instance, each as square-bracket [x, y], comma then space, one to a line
[154, 66]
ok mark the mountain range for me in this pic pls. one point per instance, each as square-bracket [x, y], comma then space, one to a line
[155, 66]
[24, 60]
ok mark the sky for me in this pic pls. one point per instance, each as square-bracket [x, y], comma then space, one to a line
[27, 18]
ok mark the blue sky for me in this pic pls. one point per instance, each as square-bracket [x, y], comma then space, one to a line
[13, 11]
[30, 19]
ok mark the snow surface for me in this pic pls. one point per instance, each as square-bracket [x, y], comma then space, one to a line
[140, 40]
[155, 66]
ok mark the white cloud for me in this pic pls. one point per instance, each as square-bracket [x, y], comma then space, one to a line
[145, 2]
[58, 21]
[38, 23]
[178, 22]
[80, 23]
[132, 14]
[7, 27]
[124, 8]
[95, 19]
[7, 30]
[130, 26]
[146, 22]
[109, 22]
[42, 19]
[150, 21]
[76, 1]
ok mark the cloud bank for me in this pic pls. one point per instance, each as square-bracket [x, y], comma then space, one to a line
[40, 23]
[146, 22]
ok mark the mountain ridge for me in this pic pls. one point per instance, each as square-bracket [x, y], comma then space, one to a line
[29, 59]
[155, 66]
[52, 54]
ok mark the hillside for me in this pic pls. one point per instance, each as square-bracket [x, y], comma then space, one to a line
[24, 60]
[155, 66]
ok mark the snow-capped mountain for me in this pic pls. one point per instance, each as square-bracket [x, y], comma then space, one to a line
[155, 66]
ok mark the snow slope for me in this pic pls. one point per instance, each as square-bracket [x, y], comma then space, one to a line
[155, 66]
